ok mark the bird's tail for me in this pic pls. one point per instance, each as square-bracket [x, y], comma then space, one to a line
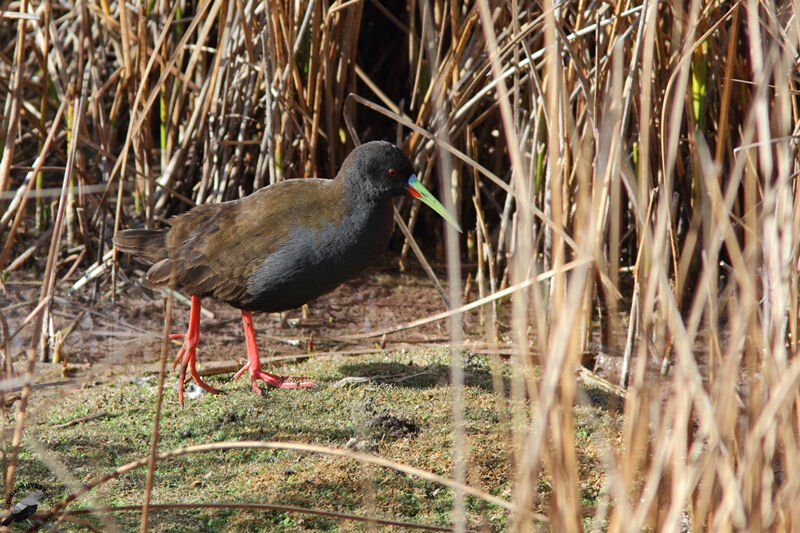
[145, 244]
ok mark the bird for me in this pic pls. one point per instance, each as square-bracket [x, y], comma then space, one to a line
[278, 248]
[24, 508]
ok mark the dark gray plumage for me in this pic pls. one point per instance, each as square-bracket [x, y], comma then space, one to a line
[24, 508]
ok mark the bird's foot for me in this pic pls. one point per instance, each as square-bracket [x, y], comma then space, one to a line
[280, 382]
[253, 365]
[187, 356]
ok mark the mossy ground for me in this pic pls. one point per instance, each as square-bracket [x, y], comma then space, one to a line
[411, 386]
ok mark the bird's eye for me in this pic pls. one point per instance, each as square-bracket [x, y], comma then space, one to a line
[392, 172]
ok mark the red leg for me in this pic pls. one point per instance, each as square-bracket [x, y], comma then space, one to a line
[187, 355]
[253, 365]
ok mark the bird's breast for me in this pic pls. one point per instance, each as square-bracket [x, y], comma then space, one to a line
[314, 261]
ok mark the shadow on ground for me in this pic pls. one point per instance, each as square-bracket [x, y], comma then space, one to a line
[415, 376]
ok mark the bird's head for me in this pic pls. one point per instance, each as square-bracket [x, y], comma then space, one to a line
[384, 170]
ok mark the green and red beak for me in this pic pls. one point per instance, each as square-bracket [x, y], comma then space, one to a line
[417, 190]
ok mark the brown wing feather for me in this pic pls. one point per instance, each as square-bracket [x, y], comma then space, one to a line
[158, 275]
[147, 245]
[216, 247]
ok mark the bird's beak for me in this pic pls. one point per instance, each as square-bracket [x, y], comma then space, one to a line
[417, 190]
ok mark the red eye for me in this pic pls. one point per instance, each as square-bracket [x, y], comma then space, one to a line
[392, 172]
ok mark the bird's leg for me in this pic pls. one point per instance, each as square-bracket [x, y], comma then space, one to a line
[253, 365]
[187, 355]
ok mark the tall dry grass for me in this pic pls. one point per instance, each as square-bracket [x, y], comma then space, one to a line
[638, 159]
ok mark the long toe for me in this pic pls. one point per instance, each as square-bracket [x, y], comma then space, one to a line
[279, 382]
[241, 371]
[181, 380]
[205, 385]
[285, 382]
[199, 381]
[188, 359]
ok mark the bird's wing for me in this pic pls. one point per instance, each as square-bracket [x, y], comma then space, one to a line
[214, 248]
[146, 245]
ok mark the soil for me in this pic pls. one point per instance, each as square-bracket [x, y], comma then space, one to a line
[126, 335]
[122, 336]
